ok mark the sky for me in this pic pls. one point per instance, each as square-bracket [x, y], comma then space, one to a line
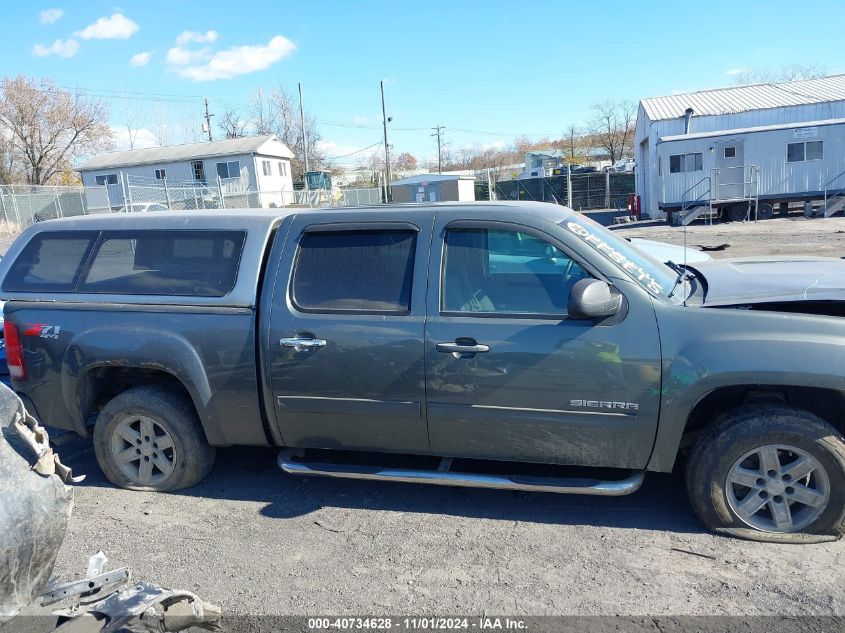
[487, 71]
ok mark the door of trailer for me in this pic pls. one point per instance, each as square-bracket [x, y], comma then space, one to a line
[729, 173]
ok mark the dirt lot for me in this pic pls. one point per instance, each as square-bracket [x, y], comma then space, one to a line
[795, 235]
[257, 541]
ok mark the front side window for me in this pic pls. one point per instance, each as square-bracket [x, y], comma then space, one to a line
[504, 271]
[50, 262]
[282, 170]
[265, 167]
[160, 174]
[170, 263]
[367, 271]
[230, 169]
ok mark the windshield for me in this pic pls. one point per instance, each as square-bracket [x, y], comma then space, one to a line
[656, 277]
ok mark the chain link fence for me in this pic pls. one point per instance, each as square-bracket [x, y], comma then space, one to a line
[233, 194]
[610, 190]
[22, 205]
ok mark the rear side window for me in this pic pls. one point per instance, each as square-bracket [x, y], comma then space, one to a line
[50, 262]
[172, 263]
[355, 271]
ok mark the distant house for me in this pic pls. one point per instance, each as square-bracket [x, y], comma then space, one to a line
[259, 164]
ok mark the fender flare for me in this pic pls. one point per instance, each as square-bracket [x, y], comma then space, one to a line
[106, 346]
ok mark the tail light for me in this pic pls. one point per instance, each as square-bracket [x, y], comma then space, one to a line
[14, 351]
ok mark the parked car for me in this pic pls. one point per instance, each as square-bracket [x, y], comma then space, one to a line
[623, 164]
[142, 207]
[500, 345]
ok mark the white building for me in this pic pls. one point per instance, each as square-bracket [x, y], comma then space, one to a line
[765, 144]
[255, 164]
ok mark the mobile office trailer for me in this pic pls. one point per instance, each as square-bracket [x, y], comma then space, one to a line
[749, 172]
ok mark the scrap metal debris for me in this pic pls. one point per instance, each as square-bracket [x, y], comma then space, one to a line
[35, 505]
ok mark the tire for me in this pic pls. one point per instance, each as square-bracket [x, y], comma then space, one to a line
[156, 433]
[719, 453]
[737, 212]
[765, 211]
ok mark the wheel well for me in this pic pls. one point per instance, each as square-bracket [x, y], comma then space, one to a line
[828, 404]
[104, 383]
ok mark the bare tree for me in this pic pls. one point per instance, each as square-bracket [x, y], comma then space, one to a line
[131, 120]
[612, 127]
[787, 72]
[49, 127]
[161, 128]
[232, 124]
[277, 112]
[404, 162]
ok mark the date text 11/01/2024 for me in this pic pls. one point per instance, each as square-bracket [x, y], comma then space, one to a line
[483, 623]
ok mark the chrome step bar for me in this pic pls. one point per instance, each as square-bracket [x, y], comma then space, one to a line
[443, 477]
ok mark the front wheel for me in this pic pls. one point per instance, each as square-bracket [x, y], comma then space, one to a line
[148, 438]
[770, 473]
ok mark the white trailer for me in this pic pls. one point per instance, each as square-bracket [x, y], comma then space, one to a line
[748, 172]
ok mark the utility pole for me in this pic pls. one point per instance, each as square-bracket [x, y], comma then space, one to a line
[208, 120]
[304, 136]
[385, 120]
[438, 133]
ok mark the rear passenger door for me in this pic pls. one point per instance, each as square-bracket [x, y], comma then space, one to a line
[346, 333]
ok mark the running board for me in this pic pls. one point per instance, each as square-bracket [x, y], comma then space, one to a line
[443, 477]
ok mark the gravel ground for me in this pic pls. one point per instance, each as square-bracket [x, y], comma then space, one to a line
[257, 541]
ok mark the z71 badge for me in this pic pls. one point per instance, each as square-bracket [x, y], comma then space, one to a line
[42, 331]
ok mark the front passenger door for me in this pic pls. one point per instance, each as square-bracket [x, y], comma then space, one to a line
[509, 376]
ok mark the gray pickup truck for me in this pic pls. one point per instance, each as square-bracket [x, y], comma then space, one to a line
[510, 345]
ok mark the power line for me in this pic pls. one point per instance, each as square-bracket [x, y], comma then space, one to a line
[357, 151]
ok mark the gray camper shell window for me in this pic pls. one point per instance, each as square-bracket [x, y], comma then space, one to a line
[189, 263]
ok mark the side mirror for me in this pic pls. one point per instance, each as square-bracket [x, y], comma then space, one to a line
[592, 299]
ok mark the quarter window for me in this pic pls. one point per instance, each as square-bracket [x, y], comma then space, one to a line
[367, 271]
[505, 271]
[231, 169]
[171, 263]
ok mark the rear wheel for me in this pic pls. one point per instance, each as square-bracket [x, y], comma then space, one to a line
[147, 438]
[770, 473]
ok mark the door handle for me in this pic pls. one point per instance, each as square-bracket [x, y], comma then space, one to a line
[462, 348]
[302, 344]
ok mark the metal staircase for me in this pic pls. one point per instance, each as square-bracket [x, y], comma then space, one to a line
[834, 200]
[694, 206]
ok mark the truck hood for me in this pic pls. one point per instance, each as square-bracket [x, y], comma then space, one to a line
[754, 280]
